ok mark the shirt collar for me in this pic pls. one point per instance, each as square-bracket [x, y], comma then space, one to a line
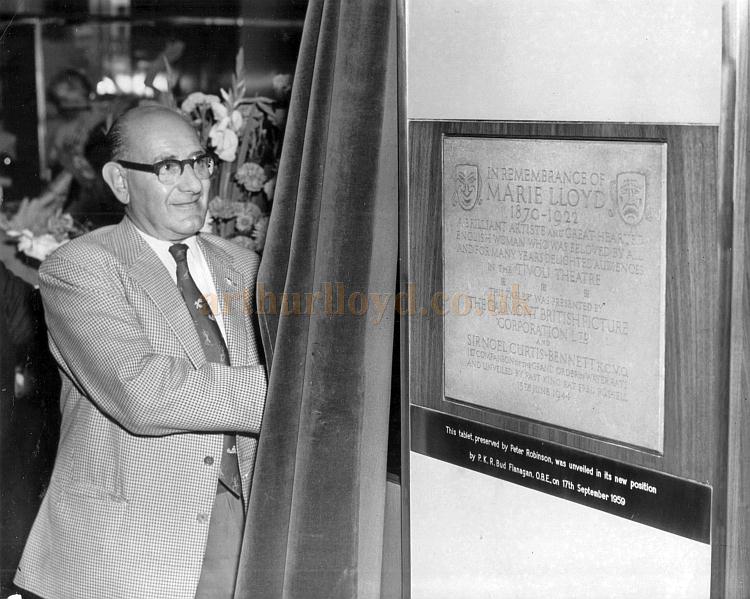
[191, 242]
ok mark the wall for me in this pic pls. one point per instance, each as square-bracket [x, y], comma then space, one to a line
[580, 60]
[584, 60]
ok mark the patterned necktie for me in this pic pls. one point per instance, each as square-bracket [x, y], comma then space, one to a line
[215, 349]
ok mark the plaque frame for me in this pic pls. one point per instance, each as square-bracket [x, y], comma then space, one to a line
[696, 320]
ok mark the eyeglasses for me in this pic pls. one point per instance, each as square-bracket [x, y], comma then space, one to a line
[169, 170]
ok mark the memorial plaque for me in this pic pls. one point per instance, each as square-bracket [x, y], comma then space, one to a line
[554, 282]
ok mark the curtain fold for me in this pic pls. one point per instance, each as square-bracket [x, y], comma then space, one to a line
[325, 299]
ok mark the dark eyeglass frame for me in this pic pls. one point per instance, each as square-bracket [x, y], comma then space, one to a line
[156, 167]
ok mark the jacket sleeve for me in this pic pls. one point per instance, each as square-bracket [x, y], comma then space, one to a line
[103, 347]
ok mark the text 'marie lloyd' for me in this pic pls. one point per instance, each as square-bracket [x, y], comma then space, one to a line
[578, 228]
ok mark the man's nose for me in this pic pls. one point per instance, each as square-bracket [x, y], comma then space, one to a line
[188, 181]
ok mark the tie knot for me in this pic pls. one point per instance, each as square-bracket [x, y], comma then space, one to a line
[179, 252]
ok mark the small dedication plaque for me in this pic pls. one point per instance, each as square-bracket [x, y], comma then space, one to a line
[554, 282]
[657, 499]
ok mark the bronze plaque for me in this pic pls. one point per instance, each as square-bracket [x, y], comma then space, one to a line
[554, 282]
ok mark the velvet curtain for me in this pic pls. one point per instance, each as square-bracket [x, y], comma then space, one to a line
[326, 303]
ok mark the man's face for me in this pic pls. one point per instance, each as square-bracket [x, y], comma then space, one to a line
[169, 212]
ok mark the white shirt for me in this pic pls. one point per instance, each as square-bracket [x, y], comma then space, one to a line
[198, 269]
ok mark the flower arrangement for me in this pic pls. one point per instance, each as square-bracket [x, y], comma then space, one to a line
[245, 134]
[39, 226]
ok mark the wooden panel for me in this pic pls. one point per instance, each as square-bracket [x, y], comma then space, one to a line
[697, 315]
[736, 134]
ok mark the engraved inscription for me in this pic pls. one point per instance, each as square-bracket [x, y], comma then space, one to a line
[576, 229]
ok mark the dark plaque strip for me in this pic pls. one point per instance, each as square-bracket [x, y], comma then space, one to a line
[652, 498]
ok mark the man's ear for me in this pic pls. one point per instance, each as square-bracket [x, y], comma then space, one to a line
[115, 178]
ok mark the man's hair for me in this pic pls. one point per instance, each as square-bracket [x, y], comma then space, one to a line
[115, 139]
[117, 136]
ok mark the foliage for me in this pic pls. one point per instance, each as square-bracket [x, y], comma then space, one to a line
[39, 226]
[246, 135]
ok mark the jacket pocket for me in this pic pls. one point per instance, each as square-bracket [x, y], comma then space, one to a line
[90, 516]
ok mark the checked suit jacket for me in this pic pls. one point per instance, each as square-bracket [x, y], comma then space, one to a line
[127, 511]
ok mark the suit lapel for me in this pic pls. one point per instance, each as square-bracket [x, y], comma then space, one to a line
[146, 268]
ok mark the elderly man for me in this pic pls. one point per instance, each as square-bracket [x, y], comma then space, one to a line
[162, 391]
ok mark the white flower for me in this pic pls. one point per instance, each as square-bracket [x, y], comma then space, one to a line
[251, 176]
[247, 215]
[224, 140]
[245, 222]
[223, 133]
[222, 115]
[219, 110]
[236, 120]
[282, 84]
[37, 247]
[220, 208]
[196, 98]
[250, 208]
